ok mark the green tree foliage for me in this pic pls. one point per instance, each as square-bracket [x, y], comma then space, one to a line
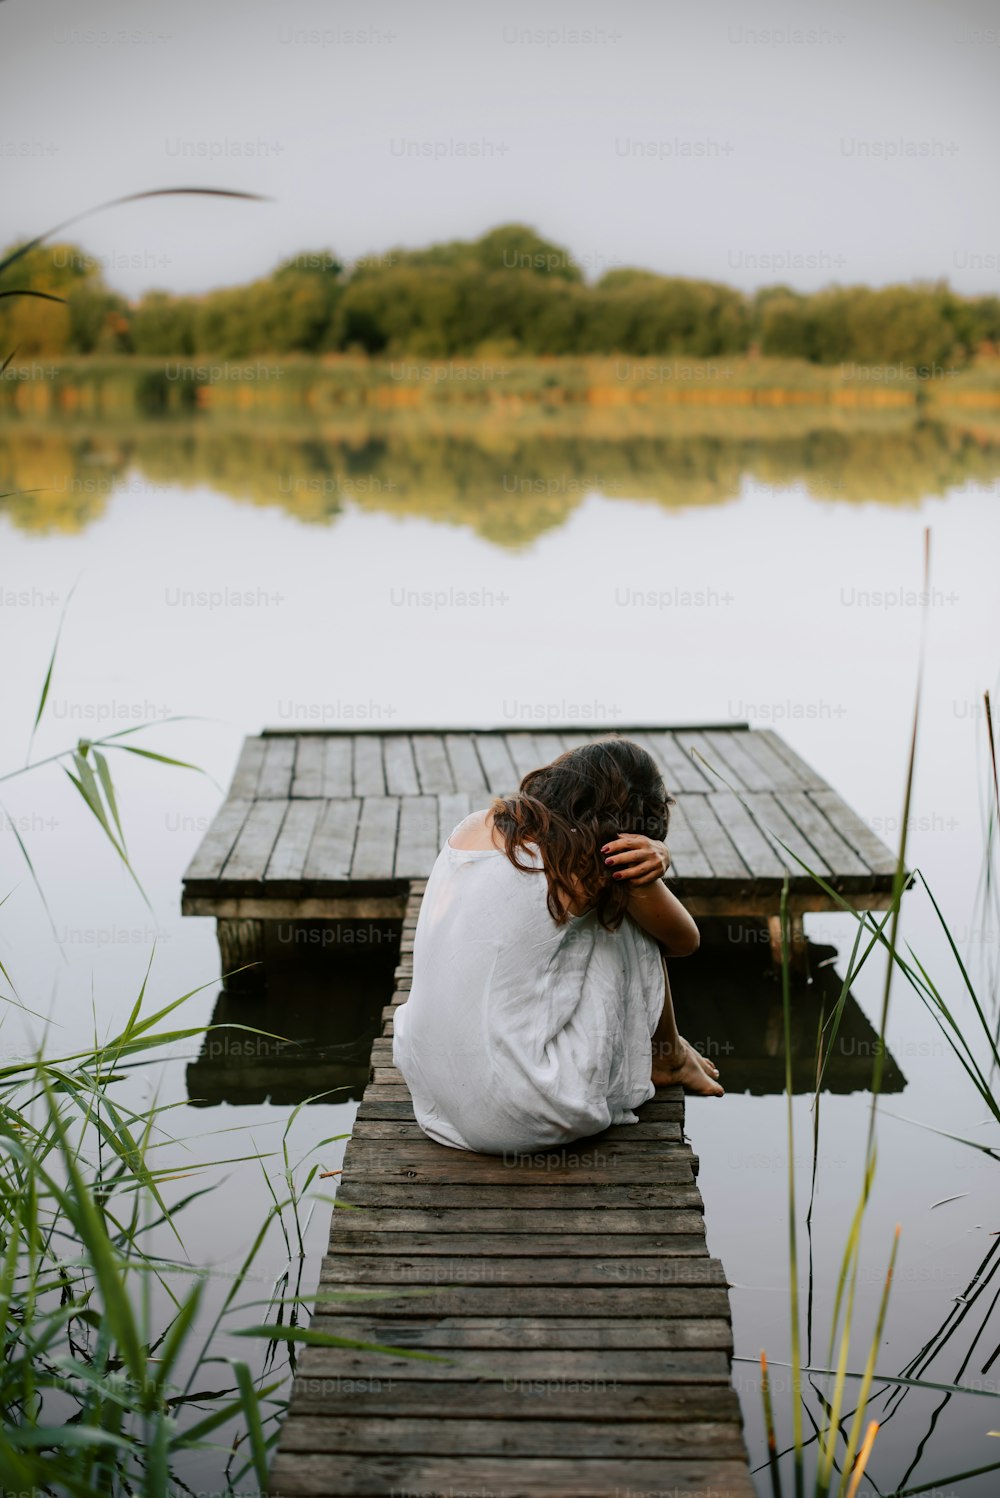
[508, 292]
[163, 324]
[92, 319]
[908, 325]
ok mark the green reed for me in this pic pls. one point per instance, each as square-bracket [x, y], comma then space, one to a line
[839, 1461]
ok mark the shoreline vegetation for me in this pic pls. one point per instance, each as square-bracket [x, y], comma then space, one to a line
[508, 294]
[95, 386]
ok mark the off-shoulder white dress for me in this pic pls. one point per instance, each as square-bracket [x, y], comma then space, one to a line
[519, 1034]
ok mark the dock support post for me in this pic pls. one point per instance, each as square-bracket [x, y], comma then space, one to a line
[798, 956]
[241, 942]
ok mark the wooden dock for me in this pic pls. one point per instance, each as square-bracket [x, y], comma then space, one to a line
[333, 825]
[579, 1333]
[558, 1324]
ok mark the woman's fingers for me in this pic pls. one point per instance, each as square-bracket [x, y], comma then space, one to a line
[640, 873]
[626, 840]
[628, 855]
[636, 857]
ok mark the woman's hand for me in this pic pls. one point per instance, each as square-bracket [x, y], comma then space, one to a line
[641, 860]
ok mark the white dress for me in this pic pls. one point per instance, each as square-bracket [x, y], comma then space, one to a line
[519, 1034]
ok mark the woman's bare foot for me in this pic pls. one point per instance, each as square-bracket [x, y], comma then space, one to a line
[692, 1071]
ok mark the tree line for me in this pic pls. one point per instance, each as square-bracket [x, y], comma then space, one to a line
[508, 293]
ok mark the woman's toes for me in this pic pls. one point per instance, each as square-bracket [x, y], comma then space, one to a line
[706, 1065]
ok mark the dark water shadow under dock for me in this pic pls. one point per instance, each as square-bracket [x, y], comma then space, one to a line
[327, 983]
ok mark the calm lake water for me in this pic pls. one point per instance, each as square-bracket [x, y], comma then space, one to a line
[419, 573]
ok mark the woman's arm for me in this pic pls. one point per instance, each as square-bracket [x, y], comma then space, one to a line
[660, 913]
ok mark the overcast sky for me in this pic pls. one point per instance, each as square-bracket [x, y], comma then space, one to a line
[746, 143]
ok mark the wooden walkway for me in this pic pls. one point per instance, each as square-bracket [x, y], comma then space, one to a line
[332, 825]
[576, 1334]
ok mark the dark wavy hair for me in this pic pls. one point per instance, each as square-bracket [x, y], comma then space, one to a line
[570, 808]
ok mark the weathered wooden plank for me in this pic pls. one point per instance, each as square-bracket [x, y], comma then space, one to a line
[501, 1244]
[275, 779]
[713, 840]
[524, 752]
[332, 848]
[498, 767]
[433, 767]
[629, 1171]
[548, 747]
[672, 1187]
[598, 1397]
[218, 841]
[701, 1276]
[733, 759]
[686, 857]
[464, 1335]
[296, 1475]
[467, 1436]
[400, 768]
[782, 774]
[307, 775]
[658, 1222]
[377, 1109]
[753, 847]
[490, 1293]
[369, 774]
[252, 848]
[417, 841]
[288, 856]
[465, 766]
[679, 770]
[375, 848]
[612, 1155]
[709, 762]
[880, 859]
[768, 812]
[338, 765]
[247, 772]
[811, 779]
[452, 809]
[814, 825]
[682, 1355]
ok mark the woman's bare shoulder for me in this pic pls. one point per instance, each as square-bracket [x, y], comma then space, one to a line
[476, 832]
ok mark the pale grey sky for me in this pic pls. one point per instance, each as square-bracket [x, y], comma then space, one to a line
[745, 143]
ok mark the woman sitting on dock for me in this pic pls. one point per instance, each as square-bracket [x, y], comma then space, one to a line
[538, 972]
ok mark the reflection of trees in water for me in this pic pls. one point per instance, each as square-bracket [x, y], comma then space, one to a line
[509, 480]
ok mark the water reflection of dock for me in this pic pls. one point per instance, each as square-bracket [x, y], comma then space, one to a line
[728, 1003]
[321, 1008]
[317, 1015]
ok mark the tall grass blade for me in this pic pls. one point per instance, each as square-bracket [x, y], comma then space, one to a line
[772, 1440]
[866, 1452]
[47, 683]
[866, 1382]
[251, 1414]
[132, 197]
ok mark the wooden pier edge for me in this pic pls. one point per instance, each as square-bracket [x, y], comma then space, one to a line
[333, 824]
[573, 1335]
